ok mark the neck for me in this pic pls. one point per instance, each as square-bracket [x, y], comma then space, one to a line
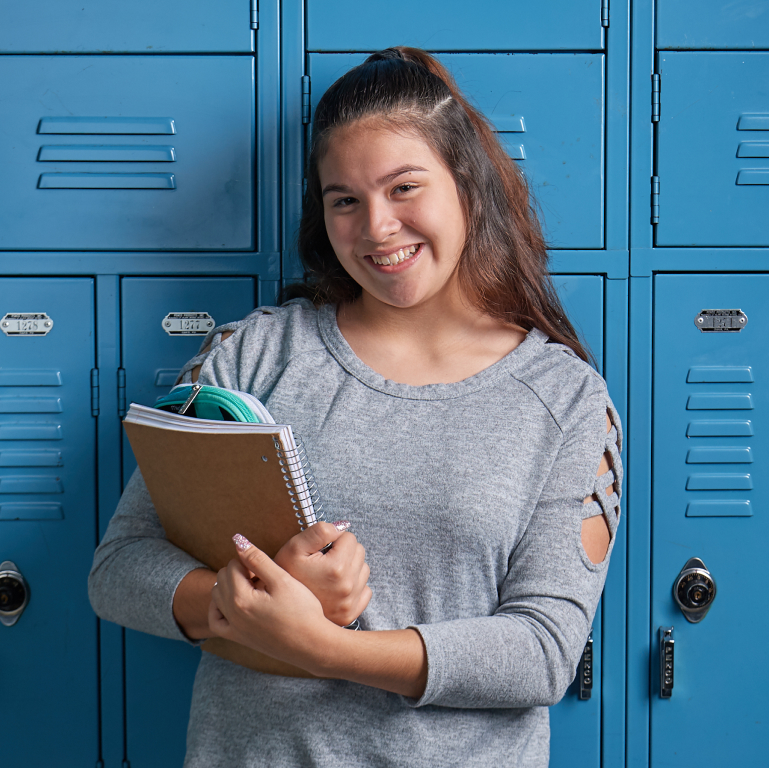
[436, 342]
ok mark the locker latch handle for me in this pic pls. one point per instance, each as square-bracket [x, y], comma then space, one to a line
[667, 661]
[585, 670]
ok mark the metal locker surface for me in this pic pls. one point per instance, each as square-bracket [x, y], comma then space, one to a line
[48, 520]
[575, 725]
[713, 149]
[709, 501]
[548, 110]
[127, 152]
[125, 26]
[159, 673]
[549, 25]
[712, 24]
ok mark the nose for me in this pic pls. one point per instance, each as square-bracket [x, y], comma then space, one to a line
[380, 221]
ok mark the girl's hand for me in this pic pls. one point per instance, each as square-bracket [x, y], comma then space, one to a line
[258, 604]
[337, 577]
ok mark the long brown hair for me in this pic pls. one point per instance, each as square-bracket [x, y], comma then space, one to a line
[503, 265]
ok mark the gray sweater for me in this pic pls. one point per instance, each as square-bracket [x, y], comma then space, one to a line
[468, 498]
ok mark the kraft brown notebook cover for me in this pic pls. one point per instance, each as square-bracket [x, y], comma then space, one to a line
[207, 486]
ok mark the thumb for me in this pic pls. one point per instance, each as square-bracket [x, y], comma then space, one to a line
[319, 537]
[256, 561]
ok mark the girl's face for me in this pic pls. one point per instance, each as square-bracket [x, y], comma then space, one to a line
[392, 214]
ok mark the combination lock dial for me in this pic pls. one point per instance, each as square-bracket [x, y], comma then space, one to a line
[694, 590]
[14, 593]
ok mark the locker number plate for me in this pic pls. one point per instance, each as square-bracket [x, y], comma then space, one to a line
[188, 323]
[26, 324]
[721, 320]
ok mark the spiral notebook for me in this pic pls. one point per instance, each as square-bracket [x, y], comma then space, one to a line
[210, 479]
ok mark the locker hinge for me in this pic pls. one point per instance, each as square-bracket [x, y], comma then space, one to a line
[305, 99]
[121, 408]
[604, 13]
[655, 199]
[254, 14]
[655, 98]
[94, 391]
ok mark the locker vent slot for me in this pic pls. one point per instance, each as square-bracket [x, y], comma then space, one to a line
[719, 455]
[753, 149]
[30, 459]
[27, 510]
[719, 429]
[30, 404]
[754, 122]
[107, 125]
[727, 401]
[166, 377]
[27, 431]
[719, 509]
[720, 374]
[30, 378]
[30, 484]
[714, 481]
[511, 124]
[753, 176]
[106, 181]
[106, 153]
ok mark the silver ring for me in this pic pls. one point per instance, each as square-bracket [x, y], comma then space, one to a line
[215, 583]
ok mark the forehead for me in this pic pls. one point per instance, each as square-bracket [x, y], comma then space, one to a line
[371, 150]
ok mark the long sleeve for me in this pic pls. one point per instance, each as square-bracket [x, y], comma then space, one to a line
[526, 653]
[136, 570]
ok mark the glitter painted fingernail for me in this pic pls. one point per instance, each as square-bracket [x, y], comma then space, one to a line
[241, 542]
[342, 525]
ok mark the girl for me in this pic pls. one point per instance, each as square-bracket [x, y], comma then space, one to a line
[451, 416]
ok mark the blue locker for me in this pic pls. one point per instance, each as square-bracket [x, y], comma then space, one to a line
[709, 499]
[548, 111]
[713, 149]
[163, 321]
[48, 401]
[710, 24]
[127, 152]
[116, 26]
[575, 725]
[502, 25]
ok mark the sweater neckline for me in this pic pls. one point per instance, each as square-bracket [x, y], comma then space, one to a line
[342, 352]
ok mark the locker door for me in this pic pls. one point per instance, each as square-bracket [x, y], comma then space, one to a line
[49, 679]
[159, 673]
[452, 25]
[116, 26]
[575, 725]
[709, 502]
[127, 152]
[713, 149]
[548, 110]
[712, 24]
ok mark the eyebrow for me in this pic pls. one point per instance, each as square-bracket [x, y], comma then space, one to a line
[380, 182]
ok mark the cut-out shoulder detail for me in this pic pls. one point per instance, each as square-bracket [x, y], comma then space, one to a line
[195, 372]
[599, 524]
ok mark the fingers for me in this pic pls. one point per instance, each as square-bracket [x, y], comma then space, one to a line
[317, 537]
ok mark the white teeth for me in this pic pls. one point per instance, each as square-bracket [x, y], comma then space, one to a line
[397, 257]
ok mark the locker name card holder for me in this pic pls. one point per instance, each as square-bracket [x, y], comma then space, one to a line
[721, 320]
[26, 324]
[188, 323]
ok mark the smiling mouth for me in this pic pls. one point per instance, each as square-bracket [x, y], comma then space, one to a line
[395, 258]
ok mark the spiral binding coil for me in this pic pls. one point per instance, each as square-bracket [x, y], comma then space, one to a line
[300, 482]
